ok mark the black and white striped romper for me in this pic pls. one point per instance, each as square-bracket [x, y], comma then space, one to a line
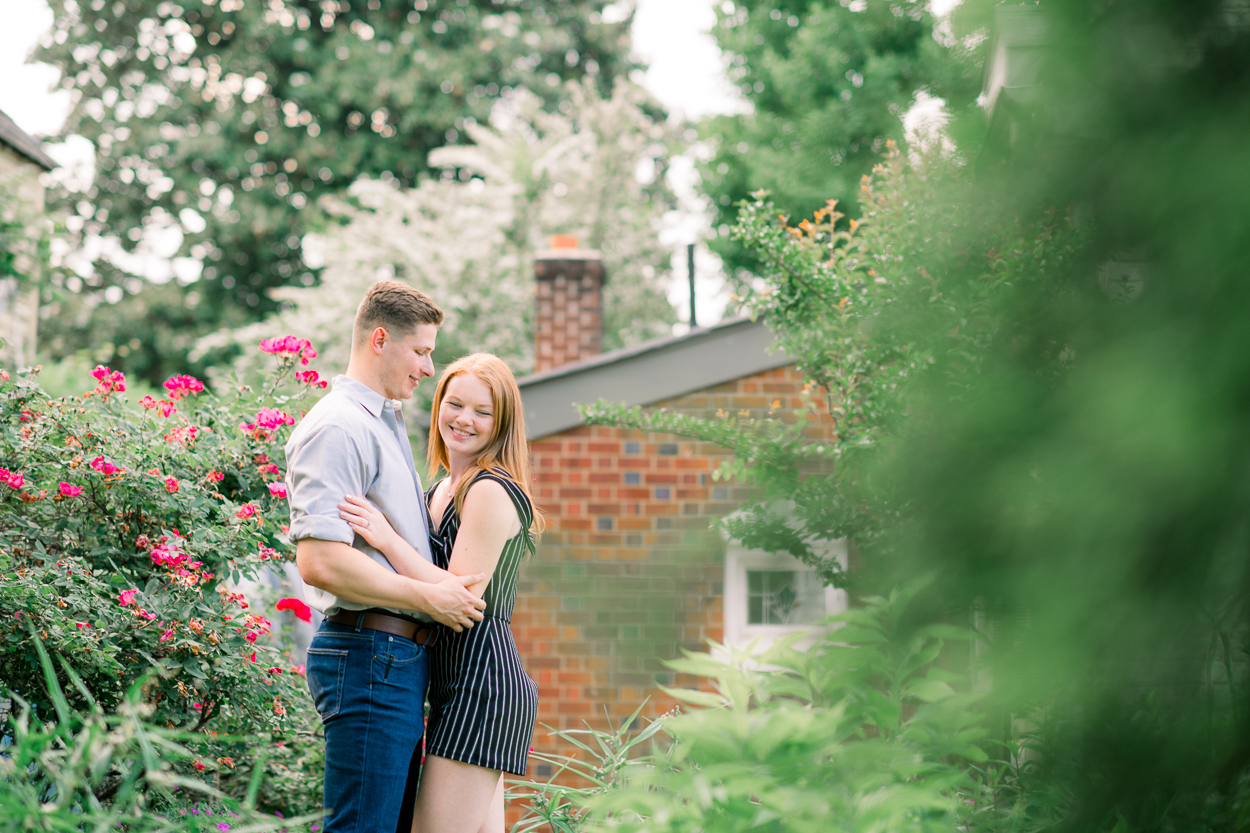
[482, 703]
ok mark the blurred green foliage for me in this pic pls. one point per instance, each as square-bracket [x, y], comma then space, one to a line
[1041, 344]
[827, 82]
[229, 119]
[1100, 508]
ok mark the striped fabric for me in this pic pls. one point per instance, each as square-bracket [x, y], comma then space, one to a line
[482, 703]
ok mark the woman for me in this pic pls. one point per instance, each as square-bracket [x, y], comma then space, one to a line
[482, 703]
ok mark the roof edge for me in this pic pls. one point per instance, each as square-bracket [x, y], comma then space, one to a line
[23, 143]
[649, 373]
[625, 353]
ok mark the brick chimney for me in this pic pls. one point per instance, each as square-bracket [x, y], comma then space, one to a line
[569, 323]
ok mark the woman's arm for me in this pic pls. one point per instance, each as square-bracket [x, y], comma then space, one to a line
[488, 520]
[370, 524]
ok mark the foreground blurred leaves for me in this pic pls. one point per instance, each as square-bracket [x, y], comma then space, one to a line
[88, 769]
[1062, 448]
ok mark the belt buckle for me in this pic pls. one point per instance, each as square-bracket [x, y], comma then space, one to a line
[432, 635]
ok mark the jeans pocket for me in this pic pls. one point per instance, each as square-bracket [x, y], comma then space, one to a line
[399, 658]
[325, 668]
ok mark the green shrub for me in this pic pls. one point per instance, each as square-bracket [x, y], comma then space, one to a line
[123, 534]
[862, 731]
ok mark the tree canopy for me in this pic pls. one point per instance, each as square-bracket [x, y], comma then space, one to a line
[828, 82]
[227, 120]
[470, 242]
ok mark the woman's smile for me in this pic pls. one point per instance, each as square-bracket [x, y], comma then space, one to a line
[466, 416]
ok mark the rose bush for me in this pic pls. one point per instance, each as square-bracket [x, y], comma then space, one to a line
[124, 536]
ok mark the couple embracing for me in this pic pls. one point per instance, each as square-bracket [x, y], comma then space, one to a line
[417, 587]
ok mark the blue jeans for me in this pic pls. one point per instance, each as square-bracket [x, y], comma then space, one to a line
[369, 688]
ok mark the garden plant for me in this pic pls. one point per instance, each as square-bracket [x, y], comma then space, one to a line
[129, 533]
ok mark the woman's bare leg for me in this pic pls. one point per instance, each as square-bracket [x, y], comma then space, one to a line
[494, 822]
[456, 797]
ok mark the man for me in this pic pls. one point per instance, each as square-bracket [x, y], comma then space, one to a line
[367, 665]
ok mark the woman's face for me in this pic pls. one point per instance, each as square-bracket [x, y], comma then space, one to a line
[466, 417]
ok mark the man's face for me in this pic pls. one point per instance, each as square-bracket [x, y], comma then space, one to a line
[405, 361]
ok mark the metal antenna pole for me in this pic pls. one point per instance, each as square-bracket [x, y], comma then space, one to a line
[690, 272]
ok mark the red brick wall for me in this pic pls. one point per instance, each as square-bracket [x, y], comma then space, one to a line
[628, 572]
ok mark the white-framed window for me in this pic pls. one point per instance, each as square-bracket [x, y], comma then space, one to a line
[769, 595]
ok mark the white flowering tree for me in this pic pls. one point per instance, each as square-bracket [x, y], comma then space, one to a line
[468, 238]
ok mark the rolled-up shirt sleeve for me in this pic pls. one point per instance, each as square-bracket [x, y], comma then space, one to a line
[321, 471]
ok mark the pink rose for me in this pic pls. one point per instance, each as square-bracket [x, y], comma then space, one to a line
[180, 386]
[110, 381]
[70, 491]
[301, 610]
[291, 346]
[267, 419]
[310, 378]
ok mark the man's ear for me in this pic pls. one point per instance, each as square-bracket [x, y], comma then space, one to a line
[377, 339]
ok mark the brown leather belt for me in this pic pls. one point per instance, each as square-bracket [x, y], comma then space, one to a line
[422, 634]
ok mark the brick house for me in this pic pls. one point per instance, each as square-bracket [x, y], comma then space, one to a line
[629, 571]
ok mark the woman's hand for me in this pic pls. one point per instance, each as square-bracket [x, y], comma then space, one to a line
[368, 523]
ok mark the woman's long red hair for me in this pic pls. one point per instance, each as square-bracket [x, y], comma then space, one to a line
[507, 449]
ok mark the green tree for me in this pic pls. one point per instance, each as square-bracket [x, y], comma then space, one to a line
[471, 244]
[828, 82]
[228, 119]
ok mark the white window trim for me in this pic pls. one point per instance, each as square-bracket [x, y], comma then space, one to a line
[738, 560]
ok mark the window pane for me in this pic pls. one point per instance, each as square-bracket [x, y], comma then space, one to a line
[784, 597]
[755, 609]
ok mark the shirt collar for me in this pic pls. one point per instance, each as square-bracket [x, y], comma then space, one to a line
[372, 401]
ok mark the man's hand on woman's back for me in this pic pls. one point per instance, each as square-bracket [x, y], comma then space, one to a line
[452, 604]
[350, 574]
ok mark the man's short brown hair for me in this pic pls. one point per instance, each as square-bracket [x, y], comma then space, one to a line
[397, 307]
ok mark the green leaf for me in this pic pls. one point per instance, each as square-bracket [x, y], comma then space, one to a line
[698, 698]
[194, 667]
[928, 690]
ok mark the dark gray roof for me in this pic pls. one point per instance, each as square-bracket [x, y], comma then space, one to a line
[648, 373]
[1020, 26]
[22, 142]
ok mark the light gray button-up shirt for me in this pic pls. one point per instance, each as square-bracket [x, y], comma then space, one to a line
[353, 442]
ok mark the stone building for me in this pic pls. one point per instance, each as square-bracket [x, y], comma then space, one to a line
[22, 160]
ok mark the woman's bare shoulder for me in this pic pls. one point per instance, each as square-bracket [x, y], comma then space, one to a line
[488, 499]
